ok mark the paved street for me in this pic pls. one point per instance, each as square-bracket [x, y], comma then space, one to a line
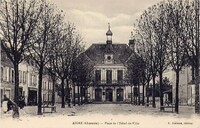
[103, 109]
[113, 109]
[99, 113]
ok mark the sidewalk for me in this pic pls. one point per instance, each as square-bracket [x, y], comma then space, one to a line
[88, 109]
[99, 114]
[31, 111]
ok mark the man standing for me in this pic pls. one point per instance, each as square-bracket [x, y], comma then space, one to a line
[21, 102]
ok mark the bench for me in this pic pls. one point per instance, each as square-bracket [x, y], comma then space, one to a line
[148, 104]
[51, 108]
[162, 108]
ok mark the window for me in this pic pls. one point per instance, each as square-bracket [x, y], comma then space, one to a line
[119, 75]
[20, 76]
[129, 95]
[9, 74]
[34, 80]
[42, 84]
[12, 76]
[109, 76]
[182, 71]
[5, 73]
[2, 73]
[7, 93]
[2, 94]
[24, 77]
[98, 75]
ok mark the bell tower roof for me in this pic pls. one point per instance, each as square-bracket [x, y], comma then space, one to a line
[109, 33]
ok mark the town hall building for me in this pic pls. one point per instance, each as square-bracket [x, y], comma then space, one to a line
[110, 68]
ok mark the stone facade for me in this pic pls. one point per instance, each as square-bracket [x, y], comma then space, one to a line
[110, 68]
[28, 81]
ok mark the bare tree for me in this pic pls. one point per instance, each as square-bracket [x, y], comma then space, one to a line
[192, 46]
[161, 33]
[142, 51]
[154, 32]
[135, 72]
[146, 47]
[83, 72]
[42, 44]
[18, 20]
[68, 47]
[177, 38]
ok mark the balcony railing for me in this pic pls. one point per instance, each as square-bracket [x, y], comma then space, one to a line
[109, 82]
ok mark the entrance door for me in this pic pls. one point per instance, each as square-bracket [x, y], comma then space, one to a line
[120, 94]
[32, 97]
[109, 95]
[98, 94]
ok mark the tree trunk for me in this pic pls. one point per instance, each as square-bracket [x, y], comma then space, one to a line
[16, 95]
[154, 91]
[177, 93]
[86, 96]
[161, 90]
[197, 77]
[138, 94]
[78, 95]
[74, 95]
[143, 93]
[53, 91]
[63, 92]
[40, 91]
[131, 94]
[197, 108]
[135, 95]
[147, 93]
[68, 94]
[81, 93]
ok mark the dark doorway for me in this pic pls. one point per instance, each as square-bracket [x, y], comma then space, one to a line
[20, 90]
[32, 97]
[98, 94]
[120, 94]
[109, 95]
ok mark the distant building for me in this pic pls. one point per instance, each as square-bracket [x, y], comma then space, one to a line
[186, 87]
[7, 77]
[110, 68]
[28, 81]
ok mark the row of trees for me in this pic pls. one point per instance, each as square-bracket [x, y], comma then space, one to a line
[167, 35]
[36, 30]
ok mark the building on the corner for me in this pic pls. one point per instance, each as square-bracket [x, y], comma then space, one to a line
[110, 68]
[7, 76]
[186, 84]
[28, 81]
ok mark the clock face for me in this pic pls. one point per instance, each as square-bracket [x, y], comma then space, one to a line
[109, 57]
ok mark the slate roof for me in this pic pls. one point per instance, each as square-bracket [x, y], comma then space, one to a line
[121, 52]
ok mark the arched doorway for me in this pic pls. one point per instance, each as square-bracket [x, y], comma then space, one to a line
[109, 95]
[98, 94]
[120, 94]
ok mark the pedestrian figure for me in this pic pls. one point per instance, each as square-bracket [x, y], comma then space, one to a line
[6, 104]
[21, 102]
[15, 109]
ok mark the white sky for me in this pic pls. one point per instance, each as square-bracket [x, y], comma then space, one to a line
[91, 17]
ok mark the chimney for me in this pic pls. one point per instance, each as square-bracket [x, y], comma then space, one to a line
[132, 42]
